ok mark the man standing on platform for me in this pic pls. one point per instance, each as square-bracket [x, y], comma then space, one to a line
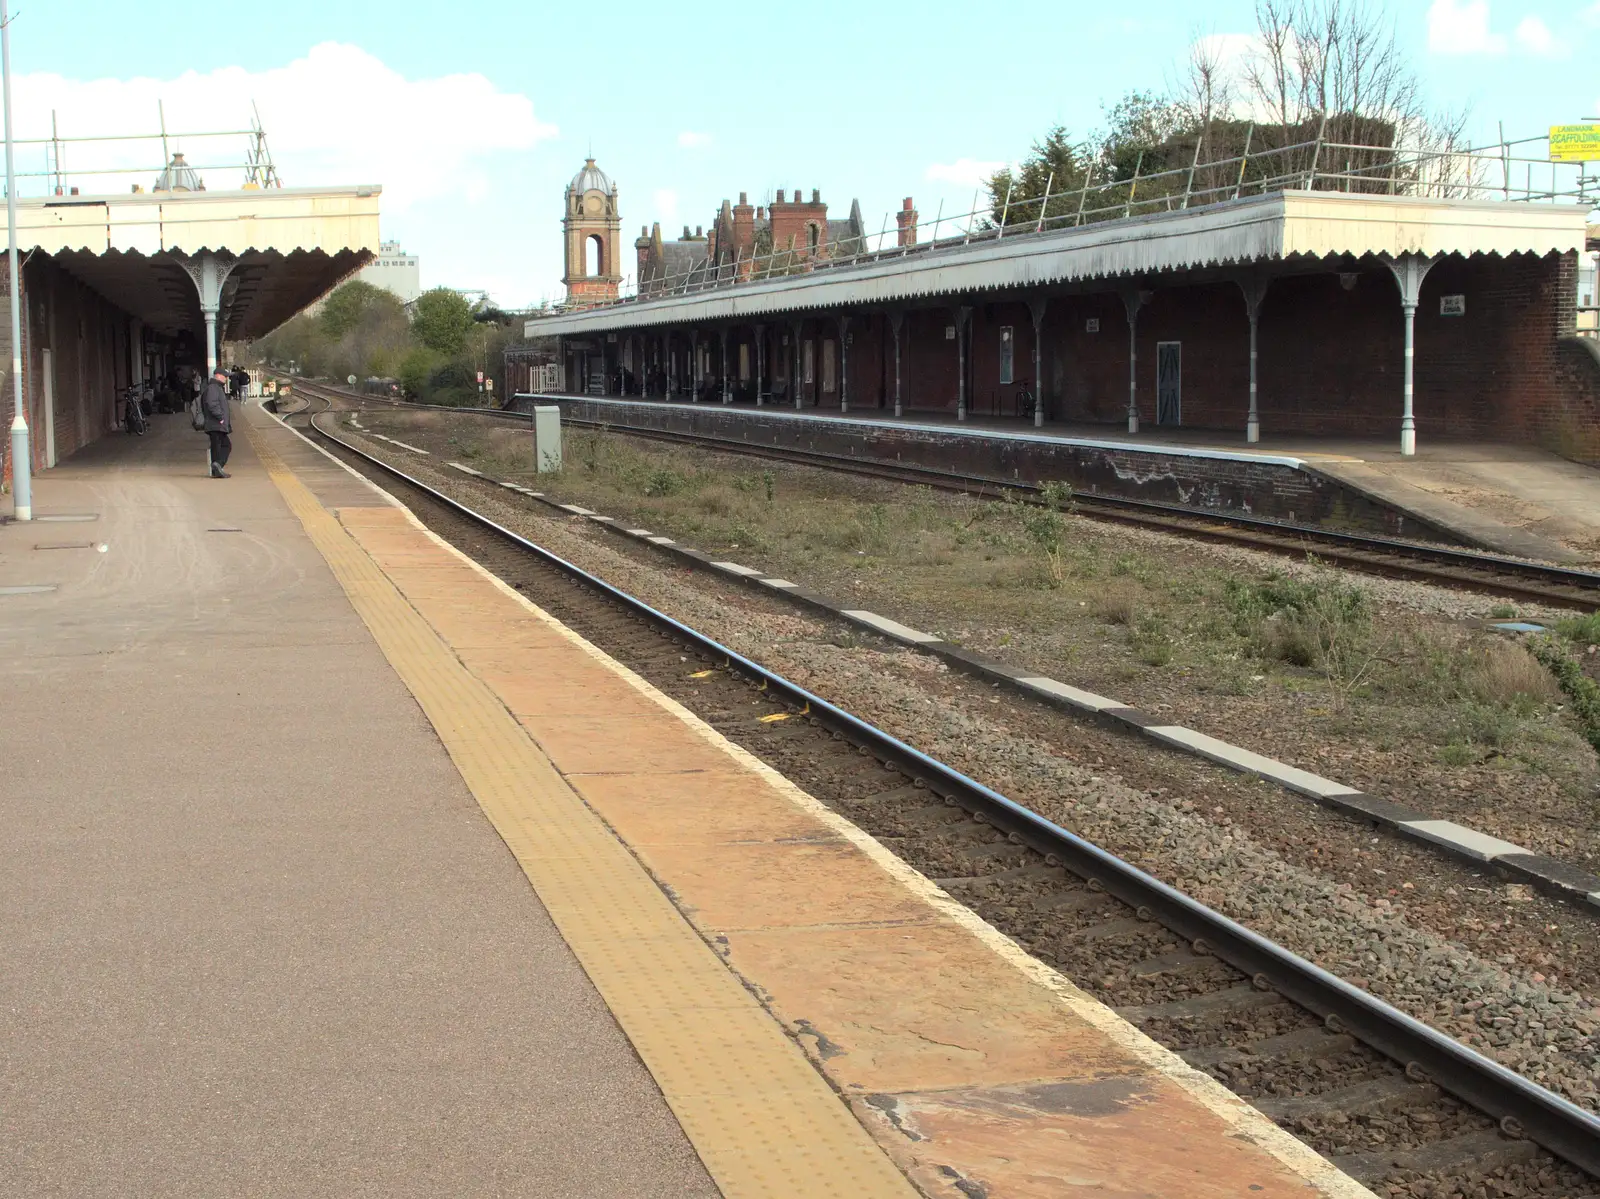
[214, 408]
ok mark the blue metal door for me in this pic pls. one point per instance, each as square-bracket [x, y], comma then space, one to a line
[1169, 386]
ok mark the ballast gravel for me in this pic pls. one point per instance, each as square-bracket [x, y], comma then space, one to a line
[1548, 1033]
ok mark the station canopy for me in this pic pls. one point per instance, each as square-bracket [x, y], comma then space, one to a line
[278, 249]
[1288, 230]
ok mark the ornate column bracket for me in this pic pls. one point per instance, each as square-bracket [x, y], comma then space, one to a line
[1409, 271]
[1133, 299]
[209, 271]
[897, 320]
[1254, 286]
[1036, 309]
[963, 323]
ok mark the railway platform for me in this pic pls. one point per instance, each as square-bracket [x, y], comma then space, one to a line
[1511, 499]
[337, 867]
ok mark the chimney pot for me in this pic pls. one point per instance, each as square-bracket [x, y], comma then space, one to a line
[761, 214]
[779, 200]
[816, 195]
[699, 230]
[686, 233]
[906, 204]
[744, 199]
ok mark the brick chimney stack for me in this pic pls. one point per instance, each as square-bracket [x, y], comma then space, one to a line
[744, 226]
[905, 222]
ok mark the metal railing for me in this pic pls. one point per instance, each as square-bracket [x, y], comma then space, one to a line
[1507, 171]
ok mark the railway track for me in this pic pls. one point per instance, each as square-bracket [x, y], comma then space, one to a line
[1459, 569]
[1397, 1104]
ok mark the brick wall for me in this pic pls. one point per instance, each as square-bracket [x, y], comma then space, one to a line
[1331, 359]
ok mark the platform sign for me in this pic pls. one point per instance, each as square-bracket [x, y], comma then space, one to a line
[1092, 325]
[1452, 305]
[1575, 143]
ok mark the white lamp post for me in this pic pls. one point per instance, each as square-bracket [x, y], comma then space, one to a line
[21, 460]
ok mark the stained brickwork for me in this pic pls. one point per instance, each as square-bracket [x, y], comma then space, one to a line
[1218, 482]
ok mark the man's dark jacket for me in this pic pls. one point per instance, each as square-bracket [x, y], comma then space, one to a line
[214, 406]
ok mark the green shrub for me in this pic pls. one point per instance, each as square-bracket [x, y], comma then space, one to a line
[665, 481]
[1583, 693]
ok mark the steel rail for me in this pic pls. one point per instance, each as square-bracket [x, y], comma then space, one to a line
[1521, 1107]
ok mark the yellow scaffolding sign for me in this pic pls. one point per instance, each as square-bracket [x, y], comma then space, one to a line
[1574, 143]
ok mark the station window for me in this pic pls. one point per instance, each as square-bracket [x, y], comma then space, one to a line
[810, 362]
[1007, 342]
[829, 379]
[744, 362]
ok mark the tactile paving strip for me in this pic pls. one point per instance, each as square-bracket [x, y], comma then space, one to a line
[763, 1121]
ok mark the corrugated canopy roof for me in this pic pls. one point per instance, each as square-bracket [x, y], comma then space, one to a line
[1280, 226]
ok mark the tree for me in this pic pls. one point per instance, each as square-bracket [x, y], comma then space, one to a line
[440, 320]
[1324, 98]
[1056, 163]
[415, 369]
[342, 310]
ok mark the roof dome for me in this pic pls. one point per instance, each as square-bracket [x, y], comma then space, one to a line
[179, 177]
[591, 178]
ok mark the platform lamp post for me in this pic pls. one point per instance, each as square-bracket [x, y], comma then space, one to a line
[21, 458]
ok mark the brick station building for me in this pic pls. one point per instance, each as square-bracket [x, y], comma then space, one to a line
[1297, 312]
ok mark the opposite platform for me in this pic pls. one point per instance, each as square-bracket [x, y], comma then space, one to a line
[731, 922]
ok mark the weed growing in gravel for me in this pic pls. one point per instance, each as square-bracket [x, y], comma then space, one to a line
[1151, 640]
[1582, 630]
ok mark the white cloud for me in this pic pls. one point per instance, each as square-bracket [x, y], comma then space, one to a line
[665, 203]
[337, 115]
[694, 141]
[1462, 27]
[1534, 35]
[969, 171]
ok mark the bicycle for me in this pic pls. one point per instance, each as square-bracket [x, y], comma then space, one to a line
[1025, 403]
[133, 418]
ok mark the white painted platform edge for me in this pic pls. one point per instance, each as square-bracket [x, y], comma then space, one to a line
[466, 470]
[893, 627]
[1250, 762]
[782, 584]
[1075, 696]
[736, 568]
[1459, 837]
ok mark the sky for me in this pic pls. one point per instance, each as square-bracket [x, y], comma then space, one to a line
[474, 117]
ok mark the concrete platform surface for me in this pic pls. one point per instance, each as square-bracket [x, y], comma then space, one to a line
[256, 937]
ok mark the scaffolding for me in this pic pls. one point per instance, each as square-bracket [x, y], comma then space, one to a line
[1511, 171]
[257, 165]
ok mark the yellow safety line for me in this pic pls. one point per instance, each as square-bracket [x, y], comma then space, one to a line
[762, 1119]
